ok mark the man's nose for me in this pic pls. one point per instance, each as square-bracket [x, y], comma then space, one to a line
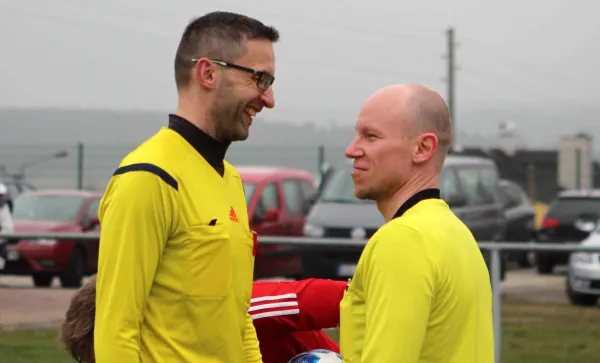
[352, 152]
[268, 98]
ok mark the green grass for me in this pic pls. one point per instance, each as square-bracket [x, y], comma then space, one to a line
[533, 333]
[31, 346]
[551, 333]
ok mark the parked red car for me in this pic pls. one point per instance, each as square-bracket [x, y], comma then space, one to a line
[54, 211]
[279, 200]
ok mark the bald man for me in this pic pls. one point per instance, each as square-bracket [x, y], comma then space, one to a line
[421, 291]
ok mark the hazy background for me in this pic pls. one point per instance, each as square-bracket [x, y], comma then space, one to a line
[102, 72]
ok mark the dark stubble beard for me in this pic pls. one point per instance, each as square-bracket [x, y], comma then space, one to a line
[227, 114]
[384, 190]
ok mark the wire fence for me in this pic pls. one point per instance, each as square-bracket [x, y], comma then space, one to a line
[65, 166]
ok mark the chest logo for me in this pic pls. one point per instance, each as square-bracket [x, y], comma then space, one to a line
[232, 216]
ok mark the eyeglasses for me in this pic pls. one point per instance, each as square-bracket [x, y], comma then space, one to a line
[263, 79]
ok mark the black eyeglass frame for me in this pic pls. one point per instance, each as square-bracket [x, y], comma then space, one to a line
[264, 80]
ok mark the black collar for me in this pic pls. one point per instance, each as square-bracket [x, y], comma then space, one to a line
[212, 150]
[419, 196]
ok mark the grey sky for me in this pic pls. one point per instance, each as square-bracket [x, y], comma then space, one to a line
[536, 55]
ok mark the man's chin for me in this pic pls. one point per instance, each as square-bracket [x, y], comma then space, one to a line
[240, 136]
[363, 194]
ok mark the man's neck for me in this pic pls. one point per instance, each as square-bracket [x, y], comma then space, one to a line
[197, 116]
[389, 206]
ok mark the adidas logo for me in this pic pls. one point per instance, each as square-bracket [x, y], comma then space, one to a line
[232, 216]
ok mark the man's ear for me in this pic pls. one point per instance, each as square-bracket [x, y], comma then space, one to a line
[206, 73]
[426, 147]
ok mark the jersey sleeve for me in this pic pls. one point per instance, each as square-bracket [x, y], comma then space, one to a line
[399, 285]
[251, 347]
[319, 303]
[294, 306]
[136, 214]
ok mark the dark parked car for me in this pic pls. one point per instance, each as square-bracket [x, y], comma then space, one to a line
[570, 218]
[520, 217]
[468, 184]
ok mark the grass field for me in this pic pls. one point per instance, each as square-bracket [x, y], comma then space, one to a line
[533, 333]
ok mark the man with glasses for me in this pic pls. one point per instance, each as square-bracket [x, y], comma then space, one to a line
[176, 261]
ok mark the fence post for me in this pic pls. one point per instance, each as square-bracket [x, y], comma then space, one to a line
[497, 303]
[578, 168]
[80, 166]
[321, 161]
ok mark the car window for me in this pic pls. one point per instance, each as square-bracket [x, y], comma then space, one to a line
[93, 208]
[513, 195]
[308, 189]
[448, 183]
[268, 199]
[574, 207]
[480, 184]
[61, 208]
[292, 194]
[249, 189]
[340, 189]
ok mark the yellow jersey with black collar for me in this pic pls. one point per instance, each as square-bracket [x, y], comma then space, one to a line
[421, 292]
[176, 258]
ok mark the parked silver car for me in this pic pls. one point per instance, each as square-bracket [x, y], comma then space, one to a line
[583, 278]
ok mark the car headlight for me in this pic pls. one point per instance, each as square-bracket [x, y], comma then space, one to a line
[582, 257]
[42, 242]
[313, 231]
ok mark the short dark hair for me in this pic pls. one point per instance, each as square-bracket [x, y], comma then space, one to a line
[76, 334]
[217, 35]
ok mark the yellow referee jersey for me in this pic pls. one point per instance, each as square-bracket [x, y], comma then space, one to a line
[421, 292]
[176, 256]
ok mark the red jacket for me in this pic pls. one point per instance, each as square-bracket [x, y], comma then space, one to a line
[289, 315]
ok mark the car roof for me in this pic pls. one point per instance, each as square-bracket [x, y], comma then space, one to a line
[74, 192]
[258, 173]
[579, 193]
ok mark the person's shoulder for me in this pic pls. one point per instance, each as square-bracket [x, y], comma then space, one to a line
[163, 147]
[397, 228]
[158, 155]
[395, 234]
[231, 170]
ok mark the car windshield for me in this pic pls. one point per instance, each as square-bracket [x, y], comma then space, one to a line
[574, 207]
[340, 188]
[47, 207]
[249, 189]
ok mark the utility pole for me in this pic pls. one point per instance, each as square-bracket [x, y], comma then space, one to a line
[450, 80]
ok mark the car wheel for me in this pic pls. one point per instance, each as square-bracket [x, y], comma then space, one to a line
[72, 277]
[42, 280]
[579, 299]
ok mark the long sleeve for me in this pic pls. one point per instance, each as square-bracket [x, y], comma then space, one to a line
[295, 306]
[251, 346]
[319, 303]
[399, 285]
[136, 216]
